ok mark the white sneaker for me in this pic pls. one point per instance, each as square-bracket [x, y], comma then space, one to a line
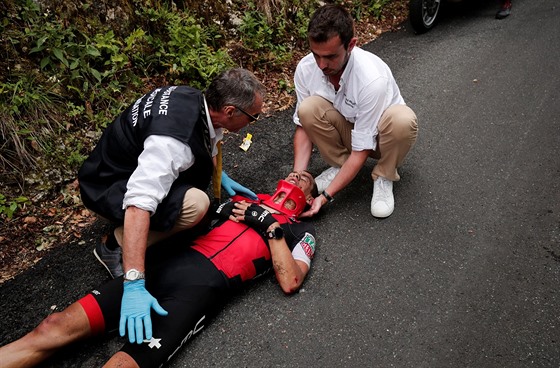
[325, 178]
[382, 201]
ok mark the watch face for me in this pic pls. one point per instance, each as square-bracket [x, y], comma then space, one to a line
[277, 233]
[132, 274]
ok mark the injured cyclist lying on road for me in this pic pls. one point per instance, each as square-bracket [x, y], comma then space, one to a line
[192, 280]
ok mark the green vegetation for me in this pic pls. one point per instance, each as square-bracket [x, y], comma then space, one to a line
[7, 209]
[269, 38]
[68, 68]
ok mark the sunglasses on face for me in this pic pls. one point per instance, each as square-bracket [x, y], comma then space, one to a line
[252, 117]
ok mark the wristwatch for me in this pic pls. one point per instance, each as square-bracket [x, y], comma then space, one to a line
[133, 275]
[327, 196]
[276, 233]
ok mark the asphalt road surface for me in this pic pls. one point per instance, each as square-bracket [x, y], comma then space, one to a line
[465, 273]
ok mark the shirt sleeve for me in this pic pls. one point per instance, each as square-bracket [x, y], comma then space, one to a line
[218, 136]
[301, 91]
[159, 165]
[300, 237]
[372, 106]
[304, 250]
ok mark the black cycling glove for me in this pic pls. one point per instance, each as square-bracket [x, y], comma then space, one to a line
[224, 210]
[258, 218]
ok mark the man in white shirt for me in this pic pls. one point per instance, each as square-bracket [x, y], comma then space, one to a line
[151, 168]
[350, 107]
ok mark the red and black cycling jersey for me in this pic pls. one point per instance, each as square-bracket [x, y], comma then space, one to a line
[242, 254]
[193, 283]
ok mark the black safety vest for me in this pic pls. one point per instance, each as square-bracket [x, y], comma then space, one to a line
[174, 111]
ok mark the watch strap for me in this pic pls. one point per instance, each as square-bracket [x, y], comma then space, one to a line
[134, 272]
[276, 233]
[327, 196]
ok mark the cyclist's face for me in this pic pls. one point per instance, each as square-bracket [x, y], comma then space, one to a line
[302, 179]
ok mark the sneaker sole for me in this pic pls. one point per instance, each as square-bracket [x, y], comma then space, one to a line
[382, 216]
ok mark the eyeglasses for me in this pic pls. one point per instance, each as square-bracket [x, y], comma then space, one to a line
[253, 117]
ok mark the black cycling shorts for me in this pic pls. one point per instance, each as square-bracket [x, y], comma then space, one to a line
[187, 285]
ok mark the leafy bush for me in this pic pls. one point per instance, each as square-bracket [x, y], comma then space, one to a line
[269, 40]
[365, 8]
[180, 46]
[71, 78]
[8, 208]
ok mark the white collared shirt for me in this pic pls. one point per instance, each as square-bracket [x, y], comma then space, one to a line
[159, 165]
[367, 89]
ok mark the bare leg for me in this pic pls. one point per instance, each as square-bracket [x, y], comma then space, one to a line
[121, 360]
[53, 333]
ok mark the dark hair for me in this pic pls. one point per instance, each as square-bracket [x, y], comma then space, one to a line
[331, 20]
[314, 190]
[236, 87]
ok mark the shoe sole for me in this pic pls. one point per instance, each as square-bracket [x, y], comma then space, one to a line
[383, 216]
[103, 263]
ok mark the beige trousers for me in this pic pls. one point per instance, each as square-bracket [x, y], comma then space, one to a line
[332, 134]
[195, 206]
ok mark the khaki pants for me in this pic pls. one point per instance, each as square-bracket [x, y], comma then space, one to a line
[195, 206]
[332, 134]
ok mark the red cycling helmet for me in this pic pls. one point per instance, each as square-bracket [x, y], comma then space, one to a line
[287, 191]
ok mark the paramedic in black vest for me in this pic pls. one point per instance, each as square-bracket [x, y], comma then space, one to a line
[151, 168]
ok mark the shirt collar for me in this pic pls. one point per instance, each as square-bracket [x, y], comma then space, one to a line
[208, 119]
[216, 135]
[345, 74]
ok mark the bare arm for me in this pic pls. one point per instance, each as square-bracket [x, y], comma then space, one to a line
[346, 174]
[135, 238]
[302, 149]
[290, 273]
[348, 171]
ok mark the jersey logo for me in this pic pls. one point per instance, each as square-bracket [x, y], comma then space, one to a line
[308, 245]
[349, 102]
[262, 216]
[153, 343]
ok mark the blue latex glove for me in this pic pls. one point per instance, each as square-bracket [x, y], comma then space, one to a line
[233, 187]
[136, 305]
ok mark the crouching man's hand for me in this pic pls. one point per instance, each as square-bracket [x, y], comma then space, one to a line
[136, 306]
